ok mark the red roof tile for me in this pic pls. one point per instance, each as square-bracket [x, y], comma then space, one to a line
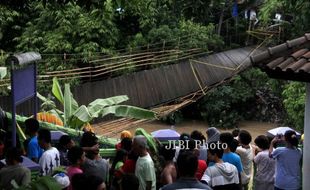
[290, 60]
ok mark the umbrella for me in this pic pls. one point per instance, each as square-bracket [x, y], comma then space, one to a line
[166, 134]
[55, 135]
[28, 163]
[280, 130]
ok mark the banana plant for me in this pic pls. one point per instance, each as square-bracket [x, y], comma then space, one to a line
[75, 116]
[3, 72]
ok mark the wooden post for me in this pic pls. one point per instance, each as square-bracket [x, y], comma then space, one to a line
[306, 143]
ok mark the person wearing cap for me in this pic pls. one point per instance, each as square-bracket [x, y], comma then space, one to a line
[145, 170]
[62, 179]
[124, 134]
[213, 134]
[14, 170]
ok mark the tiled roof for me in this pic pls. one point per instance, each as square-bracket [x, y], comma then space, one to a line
[290, 60]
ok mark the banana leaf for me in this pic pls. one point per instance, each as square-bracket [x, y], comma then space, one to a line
[150, 140]
[3, 72]
[107, 142]
[56, 90]
[96, 106]
[67, 104]
[80, 117]
[128, 111]
[46, 103]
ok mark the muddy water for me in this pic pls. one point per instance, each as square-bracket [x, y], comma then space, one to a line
[255, 128]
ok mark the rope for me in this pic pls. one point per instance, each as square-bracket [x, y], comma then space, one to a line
[213, 65]
[196, 77]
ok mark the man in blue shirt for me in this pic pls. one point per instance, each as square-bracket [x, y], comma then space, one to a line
[34, 151]
[229, 156]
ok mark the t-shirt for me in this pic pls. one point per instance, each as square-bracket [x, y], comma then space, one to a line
[288, 173]
[145, 171]
[186, 184]
[19, 173]
[129, 166]
[49, 161]
[265, 167]
[71, 171]
[33, 149]
[202, 166]
[246, 156]
[234, 159]
[221, 174]
[98, 167]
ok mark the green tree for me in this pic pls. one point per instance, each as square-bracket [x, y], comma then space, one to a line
[294, 95]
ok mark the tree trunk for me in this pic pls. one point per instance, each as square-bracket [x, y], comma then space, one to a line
[222, 17]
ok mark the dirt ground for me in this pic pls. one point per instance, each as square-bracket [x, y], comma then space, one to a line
[255, 128]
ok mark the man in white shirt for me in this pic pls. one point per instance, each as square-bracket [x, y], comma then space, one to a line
[50, 157]
[222, 175]
[145, 170]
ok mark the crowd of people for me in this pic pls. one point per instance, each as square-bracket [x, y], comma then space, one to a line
[219, 161]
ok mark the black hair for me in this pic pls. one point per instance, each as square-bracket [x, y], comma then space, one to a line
[184, 136]
[88, 139]
[82, 181]
[14, 154]
[64, 140]
[216, 149]
[119, 157]
[197, 135]
[187, 163]
[235, 132]
[291, 137]
[44, 134]
[262, 142]
[244, 137]
[168, 154]
[126, 144]
[74, 154]
[234, 145]
[227, 138]
[32, 125]
[130, 182]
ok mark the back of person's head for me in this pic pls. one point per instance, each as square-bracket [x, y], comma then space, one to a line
[32, 125]
[262, 142]
[244, 137]
[235, 132]
[79, 181]
[126, 134]
[184, 136]
[83, 181]
[291, 138]
[234, 145]
[64, 140]
[120, 154]
[215, 149]
[44, 135]
[141, 141]
[88, 139]
[167, 153]
[75, 154]
[187, 164]
[130, 182]
[227, 138]
[13, 154]
[197, 135]
[126, 143]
